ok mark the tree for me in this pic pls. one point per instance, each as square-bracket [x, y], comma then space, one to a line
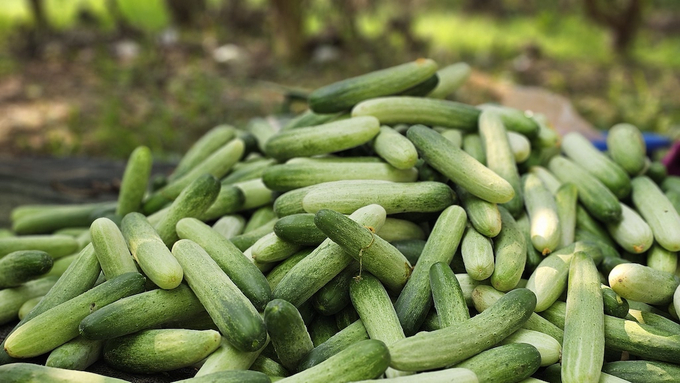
[622, 17]
[288, 37]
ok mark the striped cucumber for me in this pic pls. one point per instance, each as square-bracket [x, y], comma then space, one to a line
[135, 180]
[643, 371]
[627, 148]
[228, 358]
[548, 347]
[395, 149]
[287, 332]
[542, 210]
[632, 233]
[271, 248]
[657, 211]
[510, 251]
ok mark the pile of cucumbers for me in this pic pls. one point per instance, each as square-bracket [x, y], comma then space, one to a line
[387, 232]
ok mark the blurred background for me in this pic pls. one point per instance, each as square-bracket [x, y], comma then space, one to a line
[99, 77]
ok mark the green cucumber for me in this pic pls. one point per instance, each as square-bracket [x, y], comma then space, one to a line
[566, 199]
[334, 296]
[291, 202]
[447, 296]
[542, 210]
[632, 233]
[56, 246]
[299, 229]
[652, 319]
[520, 146]
[271, 248]
[632, 281]
[627, 148]
[657, 171]
[233, 313]
[548, 347]
[450, 345]
[451, 78]
[259, 217]
[510, 251]
[309, 118]
[269, 366]
[580, 150]
[288, 332]
[27, 306]
[135, 180]
[256, 194]
[229, 200]
[547, 177]
[515, 120]
[76, 354]
[279, 271]
[472, 144]
[22, 266]
[484, 216]
[207, 144]
[246, 240]
[151, 253]
[34, 373]
[422, 88]
[152, 351]
[396, 229]
[592, 193]
[343, 95]
[230, 376]
[499, 156]
[111, 249]
[42, 219]
[453, 135]
[614, 305]
[150, 309]
[584, 341]
[411, 248]
[366, 359]
[460, 167]
[354, 333]
[508, 363]
[322, 328]
[248, 171]
[228, 358]
[229, 226]
[657, 211]
[322, 139]
[59, 324]
[643, 371]
[395, 149]
[477, 253]
[347, 196]
[12, 299]
[262, 129]
[346, 317]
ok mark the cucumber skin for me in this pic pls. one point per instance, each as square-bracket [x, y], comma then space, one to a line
[23, 265]
[56, 245]
[135, 180]
[344, 338]
[11, 299]
[632, 281]
[111, 249]
[448, 298]
[510, 252]
[627, 148]
[29, 372]
[288, 332]
[658, 212]
[299, 229]
[643, 371]
[375, 309]
[507, 363]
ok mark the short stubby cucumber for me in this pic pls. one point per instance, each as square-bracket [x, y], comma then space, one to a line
[627, 147]
[657, 211]
[633, 281]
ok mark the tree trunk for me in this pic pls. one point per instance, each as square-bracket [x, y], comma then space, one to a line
[287, 30]
[623, 21]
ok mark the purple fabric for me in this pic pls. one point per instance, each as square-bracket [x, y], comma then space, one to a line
[672, 159]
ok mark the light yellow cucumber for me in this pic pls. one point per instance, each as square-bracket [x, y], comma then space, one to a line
[542, 211]
[632, 233]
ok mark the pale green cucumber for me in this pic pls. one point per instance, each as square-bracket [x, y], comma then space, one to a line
[584, 341]
[289, 176]
[151, 253]
[450, 345]
[207, 144]
[235, 376]
[484, 216]
[451, 78]
[418, 110]
[324, 263]
[42, 219]
[28, 306]
[395, 149]
[347, 196]
[671, 183]
[657, 211]
[322, 139]
[472, 145]
[309, 118]
[542, 210]
[548, 347]
[510, 251]
[373, 253]
[453, 135]
[366, 359]
[515, 120]
[632, 233]
[459, 166]
[228, 358]
[676, 300]
[566, 200]
[271, 248]
[632, 281]
[247, 171]
[134, 183]
[230, 259]
[508, 363]
[229, 226]
[256, 194]
[354, 333]
[653, 319]
[447, 295]
[56, 246]
[585, 222]
[12, 299]
[627, 148]
[111, 248]
[643, 371]
[287, 332]
[396, 229]
[520, 146]
[59, 324]
[269, 367]
[35, 373]
[674, 198]
[22, 266]
[477, 253]
[291, 202]
[262, 129]
[457, 375]
[245, 241]
[343, 95]
[77, 354]
[232, 312]
[547, 177]
[593, 194]
[580, 150]
[229, 201]
[499, 156]
[259, 217]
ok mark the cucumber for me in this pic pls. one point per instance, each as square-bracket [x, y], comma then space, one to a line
[520, 146]
[657, 171]
[59, 324]
[396, 229]
[627, 148]
[566, 199]
[207, 144]
[422, 88]
[259, 217]
[248, 171]
[322, 139]
[56, 246]
[354, 333]
[453, 135]
[279, 271]
[548, 347]
[291, 202]
[549, 180]
[510, 251]
[411, 248]
[234, 376]
[584, 340]
[76, 354]
[271, 248]
[395, 149]
[346, 317]
[152, 351]
[228, 358]
[256, 194]
[42, 219]
[508, 363]
[458, 375]
[12, 299]
[245, 241]
[111, 249]
[580, 150]
[447, 296]
[643, 371]
[614, 305]
[653, 319]
[342, 95]
[477, 253]
[472, 145]
[27, 306]
[451, 345]
[134, 183]
[299, 229]
[232, 312]
[150, 309]
[34, 373]
[515, 120]
[334, 296]
[366, 359]
[309, 118]
[632, 233]
[22, 266]
[632, 281]
[347, 196]
[542, 210]
[373, 253]
[499, 157]
[657, 211]
[270, 367]
[288, 332]
[451, 78]
[229, 226]
[151, 253]
[484, 216]
[460, 167]
[593, 194]
[415, 299]
[676, 300]
[229, 200]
